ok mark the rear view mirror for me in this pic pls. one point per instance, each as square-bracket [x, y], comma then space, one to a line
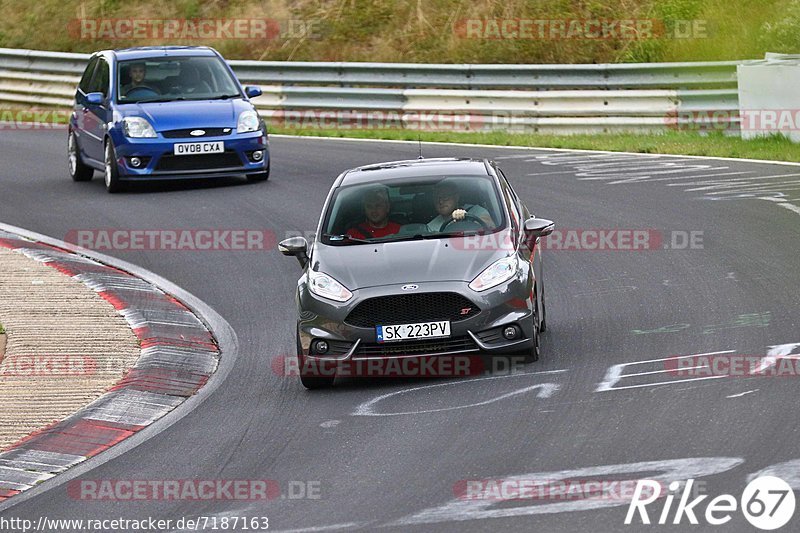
[252, 91]
[296, 247]
[538, 227]
[94, 98]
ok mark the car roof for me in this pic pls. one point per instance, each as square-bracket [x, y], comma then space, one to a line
[445, 166]
[146, 52]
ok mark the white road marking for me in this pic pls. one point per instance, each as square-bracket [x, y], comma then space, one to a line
[741, 394]
[545, 391]
[667, 471]
[330, 424]
[614, 373]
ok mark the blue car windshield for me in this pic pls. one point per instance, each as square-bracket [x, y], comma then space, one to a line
[424, 207]
[167, 79]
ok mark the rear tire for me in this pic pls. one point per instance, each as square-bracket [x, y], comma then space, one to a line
[78, 171]
[111, 172]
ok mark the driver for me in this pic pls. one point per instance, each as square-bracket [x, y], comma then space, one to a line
[138, 72]
[376, 209]
[446, 199]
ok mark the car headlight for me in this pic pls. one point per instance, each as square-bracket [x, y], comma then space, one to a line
[248, 121]
[138, 128]
[498, 272]
[323, 285]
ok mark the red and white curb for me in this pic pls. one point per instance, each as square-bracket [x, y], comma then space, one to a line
[179, 354]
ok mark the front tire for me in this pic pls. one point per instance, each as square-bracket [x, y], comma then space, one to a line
[259, 176]
[111, 172]
[78, 171]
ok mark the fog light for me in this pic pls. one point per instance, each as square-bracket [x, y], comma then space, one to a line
[510, 332]
[258, 155]
[135, 162]
[320, 347]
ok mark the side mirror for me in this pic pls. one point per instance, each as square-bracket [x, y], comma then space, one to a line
[538, 227]
[95, 98]
[252, 91]
[296, 247]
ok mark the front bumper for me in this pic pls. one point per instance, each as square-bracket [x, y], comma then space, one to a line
[508, 304]
[159, 161]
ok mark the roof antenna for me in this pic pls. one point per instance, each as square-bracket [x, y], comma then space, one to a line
[419, 140]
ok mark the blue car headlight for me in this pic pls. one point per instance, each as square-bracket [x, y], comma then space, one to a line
[138, 128]
[498, 272]
[248, 121]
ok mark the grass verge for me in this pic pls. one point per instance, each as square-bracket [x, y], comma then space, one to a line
[713, 144]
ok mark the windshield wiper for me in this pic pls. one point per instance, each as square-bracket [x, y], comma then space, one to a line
[338, 238]
[221, 97]
[159, 100]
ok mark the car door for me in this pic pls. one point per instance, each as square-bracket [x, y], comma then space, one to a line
[95, 115]
[79, 109]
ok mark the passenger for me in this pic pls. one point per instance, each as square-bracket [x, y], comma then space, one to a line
[446, 199]
[376, 209]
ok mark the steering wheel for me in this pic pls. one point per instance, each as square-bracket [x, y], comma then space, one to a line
[133, 91]
[466, 217]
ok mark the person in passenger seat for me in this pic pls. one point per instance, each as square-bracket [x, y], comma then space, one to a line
[446, 199]
[376, 210]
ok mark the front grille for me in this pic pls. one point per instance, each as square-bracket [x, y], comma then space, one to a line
[433, 346]
[171, 162]
[411, 308]
[186, 133]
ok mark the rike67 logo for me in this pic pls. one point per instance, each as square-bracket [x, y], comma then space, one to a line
[767, 502]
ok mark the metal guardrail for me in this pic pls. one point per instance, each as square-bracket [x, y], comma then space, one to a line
[552, 98]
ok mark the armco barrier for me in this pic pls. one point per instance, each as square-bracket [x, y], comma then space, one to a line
[547, 98]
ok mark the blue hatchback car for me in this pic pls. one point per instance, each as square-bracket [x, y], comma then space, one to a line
[164, 113]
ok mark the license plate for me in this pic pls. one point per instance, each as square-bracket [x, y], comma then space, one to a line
[199, 148]
[421, 330]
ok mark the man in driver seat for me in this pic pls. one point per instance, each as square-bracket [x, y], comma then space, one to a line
[138, 72]
[446, 199]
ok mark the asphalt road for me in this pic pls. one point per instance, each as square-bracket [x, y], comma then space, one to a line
[735, 290]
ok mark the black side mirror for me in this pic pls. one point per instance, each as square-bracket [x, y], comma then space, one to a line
[296, 247]
[538, 227]
[252, 91]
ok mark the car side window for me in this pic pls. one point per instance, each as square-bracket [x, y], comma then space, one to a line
[99, 82]
[87, 75]
[517, 202]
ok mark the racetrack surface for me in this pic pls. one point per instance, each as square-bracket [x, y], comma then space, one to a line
[737, 291]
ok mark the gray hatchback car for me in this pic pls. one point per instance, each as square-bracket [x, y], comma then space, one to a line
[419, 259]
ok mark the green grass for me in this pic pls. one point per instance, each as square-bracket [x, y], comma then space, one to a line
[429, 30]
[678, 142]
[2, 329]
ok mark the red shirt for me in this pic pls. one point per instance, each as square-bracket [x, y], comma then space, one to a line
[359, 230]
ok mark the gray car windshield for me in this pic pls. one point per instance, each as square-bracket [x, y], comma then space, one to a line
[167, 79]
[419, 208]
